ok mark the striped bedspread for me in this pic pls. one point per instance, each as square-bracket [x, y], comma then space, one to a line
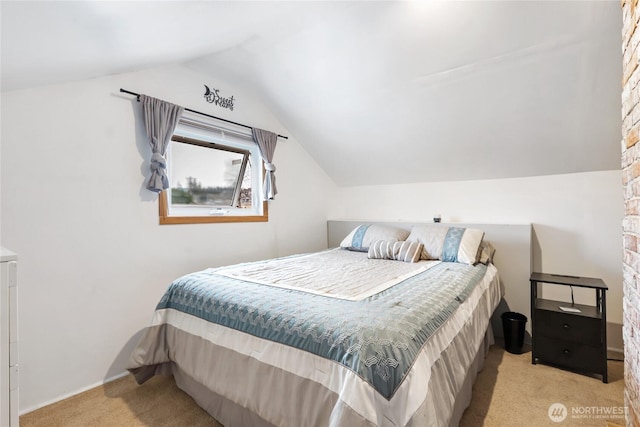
[377, 337]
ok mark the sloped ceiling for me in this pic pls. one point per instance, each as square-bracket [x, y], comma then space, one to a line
[377, 92]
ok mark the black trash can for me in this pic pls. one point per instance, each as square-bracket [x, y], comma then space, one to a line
[513, 325]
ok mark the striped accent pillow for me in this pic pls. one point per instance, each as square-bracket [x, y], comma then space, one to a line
[397, 251]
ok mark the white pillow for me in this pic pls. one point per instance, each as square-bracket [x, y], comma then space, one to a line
[432, 237]
[362, 236]
[451, 244]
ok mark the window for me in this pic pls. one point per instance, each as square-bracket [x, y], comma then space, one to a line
[215, 175]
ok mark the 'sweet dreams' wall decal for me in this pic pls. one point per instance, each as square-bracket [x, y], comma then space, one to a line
[212, 96]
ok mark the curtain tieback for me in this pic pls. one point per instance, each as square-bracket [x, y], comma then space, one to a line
[158, 162]
[269, 167]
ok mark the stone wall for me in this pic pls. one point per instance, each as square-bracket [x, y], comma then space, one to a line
[631, 221]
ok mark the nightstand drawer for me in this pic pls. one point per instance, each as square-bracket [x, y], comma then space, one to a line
[569, 354]
[580, 329]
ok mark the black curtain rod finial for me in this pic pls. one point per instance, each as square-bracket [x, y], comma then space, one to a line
[137, 95]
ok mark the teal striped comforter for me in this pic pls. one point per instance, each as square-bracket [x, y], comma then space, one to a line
[378, 337]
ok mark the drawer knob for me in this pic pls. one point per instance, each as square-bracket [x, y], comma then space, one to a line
[566, 326]
[566, 352]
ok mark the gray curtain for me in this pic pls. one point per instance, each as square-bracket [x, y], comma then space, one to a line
[267, 143]
[160, 120]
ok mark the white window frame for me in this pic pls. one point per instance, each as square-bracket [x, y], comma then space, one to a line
[207, 132]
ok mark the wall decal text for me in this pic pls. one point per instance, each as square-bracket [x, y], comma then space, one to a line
[212, 96]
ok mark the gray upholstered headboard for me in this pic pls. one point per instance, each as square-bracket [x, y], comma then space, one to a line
[512, 258]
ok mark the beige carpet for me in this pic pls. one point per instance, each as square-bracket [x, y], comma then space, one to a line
[122, 403]
[510, 391]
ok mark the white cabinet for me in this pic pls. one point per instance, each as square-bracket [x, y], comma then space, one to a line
[9, 373]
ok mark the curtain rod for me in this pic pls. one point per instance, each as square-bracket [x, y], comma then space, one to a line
[137, 95]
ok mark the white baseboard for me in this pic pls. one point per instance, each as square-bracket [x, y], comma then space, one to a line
[68, 395]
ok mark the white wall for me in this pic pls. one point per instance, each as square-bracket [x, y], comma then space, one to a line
[93, 259]
[577, 219]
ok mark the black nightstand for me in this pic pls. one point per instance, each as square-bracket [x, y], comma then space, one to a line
[567, 338]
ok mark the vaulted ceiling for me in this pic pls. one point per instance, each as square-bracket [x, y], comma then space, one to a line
[377, 92]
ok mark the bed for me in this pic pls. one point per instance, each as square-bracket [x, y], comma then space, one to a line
[388, 329]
